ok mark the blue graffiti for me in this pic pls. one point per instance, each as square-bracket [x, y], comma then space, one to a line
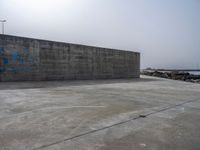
[5, 61]
[14, 55]
[18, 60]
[1, 50]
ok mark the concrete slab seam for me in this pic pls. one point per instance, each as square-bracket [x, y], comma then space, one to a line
[140, 116]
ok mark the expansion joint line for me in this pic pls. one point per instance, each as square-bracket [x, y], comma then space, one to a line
[120, 123]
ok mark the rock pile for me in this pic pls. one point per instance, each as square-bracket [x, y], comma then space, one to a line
[175, 75]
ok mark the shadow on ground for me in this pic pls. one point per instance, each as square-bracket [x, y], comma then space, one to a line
[50, 84]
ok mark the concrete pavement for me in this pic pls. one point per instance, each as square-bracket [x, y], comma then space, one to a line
[143, 114]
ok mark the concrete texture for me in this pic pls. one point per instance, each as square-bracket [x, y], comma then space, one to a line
[25, 59]
[123, 114]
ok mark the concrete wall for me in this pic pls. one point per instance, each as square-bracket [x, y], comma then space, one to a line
[25, 59]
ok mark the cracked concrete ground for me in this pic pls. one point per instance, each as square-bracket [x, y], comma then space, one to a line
[134, 114]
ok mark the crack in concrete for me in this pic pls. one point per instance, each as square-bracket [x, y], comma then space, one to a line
[140, 116]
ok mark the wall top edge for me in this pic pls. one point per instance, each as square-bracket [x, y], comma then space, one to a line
[44, 40]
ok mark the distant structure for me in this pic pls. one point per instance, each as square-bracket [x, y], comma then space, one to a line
[2, 25]
[26, 59]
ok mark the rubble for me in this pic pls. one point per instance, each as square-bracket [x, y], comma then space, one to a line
[175, 75]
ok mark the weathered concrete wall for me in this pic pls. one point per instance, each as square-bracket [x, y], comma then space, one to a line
[25, 59]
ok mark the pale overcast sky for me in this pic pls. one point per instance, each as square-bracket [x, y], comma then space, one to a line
[166, 32]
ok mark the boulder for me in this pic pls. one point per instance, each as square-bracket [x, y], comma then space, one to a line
[175, 75]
